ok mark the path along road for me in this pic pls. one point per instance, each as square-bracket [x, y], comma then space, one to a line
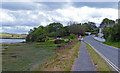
[83, 63]
[108, 53]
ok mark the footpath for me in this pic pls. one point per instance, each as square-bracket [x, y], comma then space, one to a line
[84, 62]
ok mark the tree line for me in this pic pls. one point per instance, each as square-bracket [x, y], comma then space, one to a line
[41, 33]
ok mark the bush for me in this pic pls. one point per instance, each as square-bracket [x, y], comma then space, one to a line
[58, 41]
[43, 40]
[72, 36]
[112, 33]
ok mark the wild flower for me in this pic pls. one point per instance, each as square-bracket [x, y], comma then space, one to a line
[74, 41]
[71, 43]
[58, 50]
[67, 46]
[61, 48]
[76, 36]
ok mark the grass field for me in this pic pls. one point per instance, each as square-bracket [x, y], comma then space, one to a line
[98, 61]
[115, 44]
[12, 36]
[27, 56]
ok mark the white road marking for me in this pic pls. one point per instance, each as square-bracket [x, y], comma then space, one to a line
[107, 60]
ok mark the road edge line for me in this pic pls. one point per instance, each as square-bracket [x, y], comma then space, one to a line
[107, 60]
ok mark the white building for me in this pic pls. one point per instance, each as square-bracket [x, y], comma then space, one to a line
[100, 34]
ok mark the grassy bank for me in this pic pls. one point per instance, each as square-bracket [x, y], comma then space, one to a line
[97, 60]
[115, 44]
[64, 60]
[12, 36]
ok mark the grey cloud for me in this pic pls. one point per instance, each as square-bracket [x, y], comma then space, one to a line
[18, 5]
[22, 6]
[96, 4]
[53, 5]
[32, 6]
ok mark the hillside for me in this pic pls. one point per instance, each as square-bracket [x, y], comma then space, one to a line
[12, 36]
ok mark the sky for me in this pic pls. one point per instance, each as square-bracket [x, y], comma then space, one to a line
[20, 17]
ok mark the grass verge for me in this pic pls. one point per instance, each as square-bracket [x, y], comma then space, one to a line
[100, 64]
[64, 60]
[115, 44]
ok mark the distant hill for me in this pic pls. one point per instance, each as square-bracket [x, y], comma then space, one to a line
[12, 36]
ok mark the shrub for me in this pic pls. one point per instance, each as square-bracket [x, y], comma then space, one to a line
[112, 33]
[58, 41]
[72, 36]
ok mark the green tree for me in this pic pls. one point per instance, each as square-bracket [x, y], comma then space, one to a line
[56, 28]
[117, 31]
[77, 29]
[112, 33]
[37, 34]
[89, 27]
[108, 21]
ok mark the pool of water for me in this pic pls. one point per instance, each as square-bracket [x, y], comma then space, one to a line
[8, 41]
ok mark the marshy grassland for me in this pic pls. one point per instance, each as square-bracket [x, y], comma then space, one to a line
[33, 56]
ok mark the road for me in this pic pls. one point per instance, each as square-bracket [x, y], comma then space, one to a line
[108, 53]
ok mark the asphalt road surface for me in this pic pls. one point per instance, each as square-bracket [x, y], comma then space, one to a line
[108, 53]
[83, 63]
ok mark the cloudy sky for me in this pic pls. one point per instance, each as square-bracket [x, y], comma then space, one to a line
[20, 17]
